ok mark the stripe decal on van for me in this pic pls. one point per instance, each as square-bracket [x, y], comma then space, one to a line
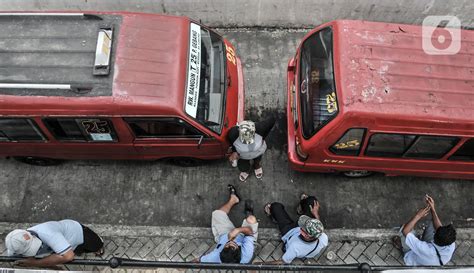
[194, 69]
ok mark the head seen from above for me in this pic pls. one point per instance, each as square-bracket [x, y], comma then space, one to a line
[231, 253]
[247, 131]
[21, 242]
[445, 235]
[311, 228]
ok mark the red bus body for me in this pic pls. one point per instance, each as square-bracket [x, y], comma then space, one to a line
[386, 84]
[149, 73]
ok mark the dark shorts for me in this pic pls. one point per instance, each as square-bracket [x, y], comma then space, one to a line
[92, 242]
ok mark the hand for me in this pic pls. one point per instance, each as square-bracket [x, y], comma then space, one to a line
[315, 207]
[430, 201]
[233, 156]
[422, 212]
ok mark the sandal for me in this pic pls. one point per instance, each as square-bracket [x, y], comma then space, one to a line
[266, 210]
[397, 242]
[100, 252]
[243, 176]
[259, 173]
[233, 191]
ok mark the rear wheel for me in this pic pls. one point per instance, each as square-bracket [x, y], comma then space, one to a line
[38, 161]
[357, 173]
[186, 161]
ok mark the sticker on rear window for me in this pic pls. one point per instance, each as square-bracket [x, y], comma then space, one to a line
[194, 69]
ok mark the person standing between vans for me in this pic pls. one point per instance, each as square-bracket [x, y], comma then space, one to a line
[234, 245]
[53, 243]
[437, 243]
[302, 239]
[248, 144]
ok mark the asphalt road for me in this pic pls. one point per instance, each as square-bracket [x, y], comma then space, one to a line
[156, 193]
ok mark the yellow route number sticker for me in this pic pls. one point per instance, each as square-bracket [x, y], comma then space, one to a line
[347, 144]
[331, 103]
[230, 54]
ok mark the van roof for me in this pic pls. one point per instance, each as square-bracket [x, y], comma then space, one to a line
[382, 70]
[45, 53]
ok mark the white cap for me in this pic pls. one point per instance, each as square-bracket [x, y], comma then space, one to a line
[21, 242]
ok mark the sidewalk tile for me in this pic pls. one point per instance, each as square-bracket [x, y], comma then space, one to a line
[188, 248]
[267, 249]
[396, 253]
[462, 248]
[385, 250]
[174, 249]
[202, 248]
[146, 249]
[346, 249]
[164, 245]
[364, 259]
[350, 260]
[133, 249]
[377, 260]
[278, 252]
[390, 260]
[358, 249]
[371, 250]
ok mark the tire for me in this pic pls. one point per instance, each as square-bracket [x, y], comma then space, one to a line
[357, 173]
[38, 161]
[186, 161]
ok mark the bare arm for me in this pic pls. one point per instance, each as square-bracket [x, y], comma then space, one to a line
[247, 231]
[411, 224]
[49, 261]
[436, 221]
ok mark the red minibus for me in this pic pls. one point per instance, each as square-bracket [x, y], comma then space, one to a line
[366, 97]
[115, 85]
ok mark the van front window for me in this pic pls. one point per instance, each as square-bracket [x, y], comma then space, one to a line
[206, 86]
[316, 84]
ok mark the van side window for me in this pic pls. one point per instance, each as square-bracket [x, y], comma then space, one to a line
[19, 129]
[81, 129]
[465, 152]
[349, 143]
[389, 145]
[161, 127]
[431, 147]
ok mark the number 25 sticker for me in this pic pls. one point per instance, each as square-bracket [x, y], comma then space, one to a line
[230, 54]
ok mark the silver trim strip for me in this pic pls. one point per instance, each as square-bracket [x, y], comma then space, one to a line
[41, 14]
[35, 86]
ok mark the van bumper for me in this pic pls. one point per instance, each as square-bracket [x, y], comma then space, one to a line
[241, 92]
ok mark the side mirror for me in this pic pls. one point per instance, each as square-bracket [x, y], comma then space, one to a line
[200, 142]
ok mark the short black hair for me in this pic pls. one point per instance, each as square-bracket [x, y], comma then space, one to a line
[230, 255]
[445, 235]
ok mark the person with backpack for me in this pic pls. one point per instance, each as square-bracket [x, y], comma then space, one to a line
[437, 244]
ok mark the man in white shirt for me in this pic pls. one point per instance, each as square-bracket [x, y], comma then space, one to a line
[437, 244]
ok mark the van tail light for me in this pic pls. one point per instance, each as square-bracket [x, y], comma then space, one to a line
[301, 154]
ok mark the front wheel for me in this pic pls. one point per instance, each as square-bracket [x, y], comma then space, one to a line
[357, 173]
[38, 161]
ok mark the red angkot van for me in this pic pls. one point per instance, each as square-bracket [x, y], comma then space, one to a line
[115, 85]
[365, 97]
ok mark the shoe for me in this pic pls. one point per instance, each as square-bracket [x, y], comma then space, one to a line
[243, 176]
[248, 210]
[259, 173]
[233, 191]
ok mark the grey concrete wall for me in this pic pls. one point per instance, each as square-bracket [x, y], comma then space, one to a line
[268, 13]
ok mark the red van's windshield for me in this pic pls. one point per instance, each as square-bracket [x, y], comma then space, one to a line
[317, 89]
[206, 88]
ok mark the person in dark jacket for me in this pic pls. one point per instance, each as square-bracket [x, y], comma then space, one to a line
[248, 146]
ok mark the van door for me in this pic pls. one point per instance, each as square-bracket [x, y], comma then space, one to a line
[171, 137]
